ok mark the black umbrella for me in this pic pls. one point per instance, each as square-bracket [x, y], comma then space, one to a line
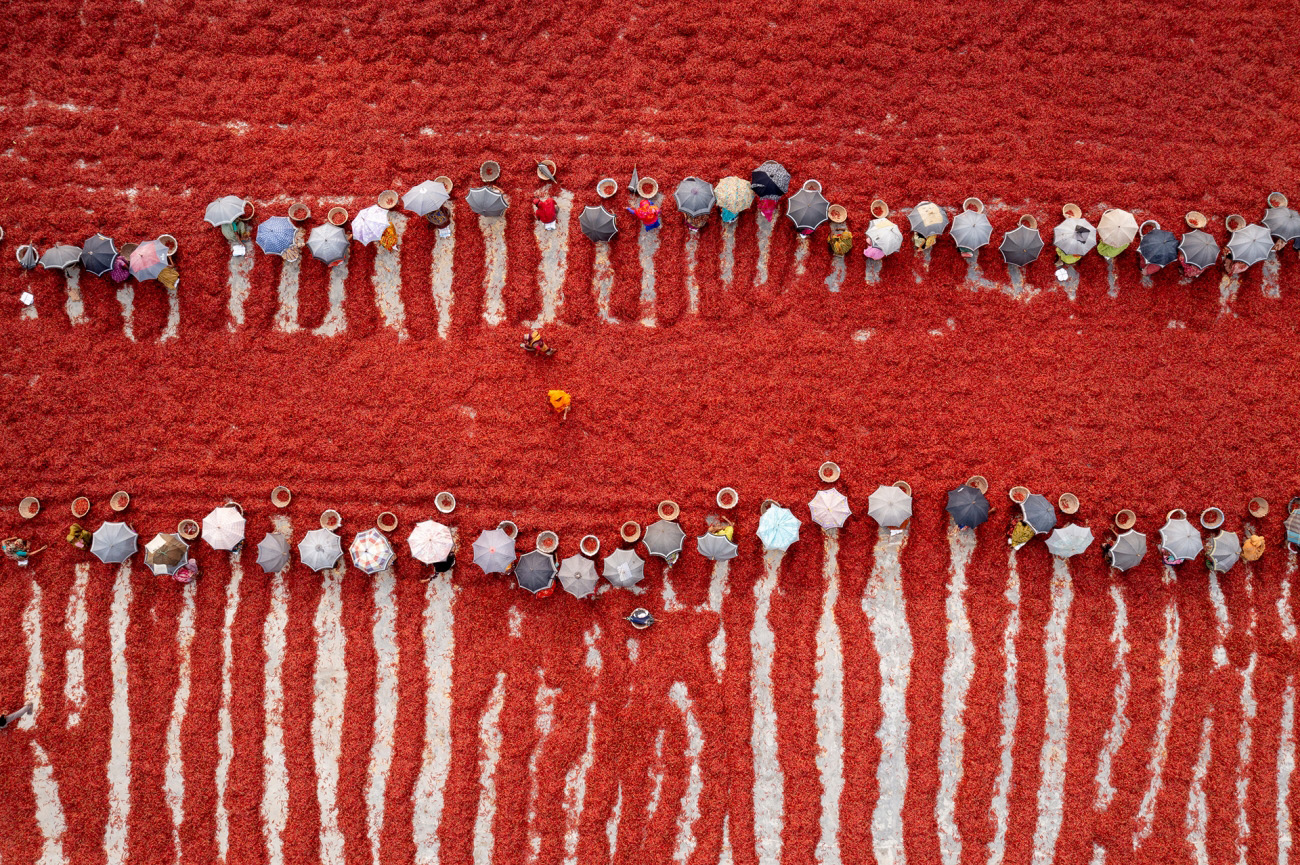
[807, 209]
[1039, 513]
[98, 254]
[1021, 245]
[535, 571]
[597, 223]
[1158, 247]
[968, 507]
[770, 180]
[1283, 223]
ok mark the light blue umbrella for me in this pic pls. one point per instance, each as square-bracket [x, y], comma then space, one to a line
[778, 528]
[276, 235]
[1069, 540]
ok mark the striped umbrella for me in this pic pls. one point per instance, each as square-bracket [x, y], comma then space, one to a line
[371, 552]
[276, 235]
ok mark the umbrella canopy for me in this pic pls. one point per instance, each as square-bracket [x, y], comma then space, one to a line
[224, 210]
[148, 260]
[272, 553]
[664, 539]
[1199, 249]
[328, 243]
[1075, 236]
[889, 506]
[968, 507]
[431, 542]
[165, 554]
[62, 256]
[927, 219]
[535, 571]
[1117, 228]
[276, 235]
[778, 528]
[807, 209]
[486, 201]
[885, 236]
[98, 254]
[113, 543]
[597, 223]
[770, 180]
[1159, 247]
[694, 196]
[371, 552]
[223, 529]
[1292, 525]
[829, 509]
[1282, 222]
[578, 576]
[1180, 539]
[971, 229]
[1128, 550]
[320, 550]
[1021, 245]
[1222, 551]
[734, 194]
[494, 551]
[1039, 513]
[716, 547]
[1069, 540]
[369, 225]
[624, 569]
[1249, 245]
[425, 198]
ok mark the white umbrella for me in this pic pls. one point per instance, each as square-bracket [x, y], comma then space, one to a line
[494, 551]
[425, 198]
[165, 554]
[1069, 540]
[368, 225]
[1128, 550]
[320, 550]
[1180, 540]
[624, 569]
[829, 509]
[273, 553]
[223, 529]
[1222, 551]
[885, 236]
[431, 542]
[225, 210]
[1117, 228]
[778, 528]
[113, 543]
[578, 576]
[889, 506]
[716, 547]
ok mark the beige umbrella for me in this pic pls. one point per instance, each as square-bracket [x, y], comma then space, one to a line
[1117, 228]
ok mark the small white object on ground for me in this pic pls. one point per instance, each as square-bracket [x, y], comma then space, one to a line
[27, 298]
[1062, 274]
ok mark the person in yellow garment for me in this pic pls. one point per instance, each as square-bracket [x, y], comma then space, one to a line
[560, 402]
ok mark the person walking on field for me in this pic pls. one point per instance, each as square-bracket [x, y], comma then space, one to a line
[12, 717]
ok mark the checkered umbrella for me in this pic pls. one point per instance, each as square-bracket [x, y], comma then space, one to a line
[148, 260]
[578, 576]
[320, 550]
[371, 552]
[165, 554]
[223, 528]
[624, 569]
[431, 542]
[829, 509]
[369, 225]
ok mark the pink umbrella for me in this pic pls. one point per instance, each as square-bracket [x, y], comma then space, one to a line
[148, 260]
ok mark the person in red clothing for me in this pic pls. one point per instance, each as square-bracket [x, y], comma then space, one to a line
[647, 212]
[545, 210]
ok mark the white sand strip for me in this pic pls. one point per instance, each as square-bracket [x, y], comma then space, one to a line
[871, 274]
[331, 688]
[1285, 770]
[444, 254]
[1198, 811]
[839, 269]
[1170, 668]
[336, 319]
[35, 657]
[591, 637]
[554, 264]
[172, 329]
[1270, 270]
[602, 282]
[725, 855]
[648, 245]
[801, 255]
[668, 594]
[49, 808]
[1286, 617]
[727, 258]
[126, 299]
[387, 666]
[435, 763]
[1009, 711]
[689, 810]
[275, 771]
[387, 279]
[174, 778]
[1222, 624]
[489, 739]
[692, 282]
[1056, 690]
[74, 305]
[494, 268]
[286, 314]
[718, 590]
[769, 781]
[828, 705]
[958, 669]
[1245, 735]
[240, 288]
[656, 775]
[763, 231]
[1119, 720]
[544, 704]
[1228, 286]
[119, 756]
[611, 825]
[225, 729]
[1098, 855]
[74, 660]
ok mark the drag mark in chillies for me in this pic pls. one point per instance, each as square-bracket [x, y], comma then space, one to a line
[692, 282]
[544, 704]
[1098, 855]
[74, 305]
[1285, 769]
[975, 275]
[611, 825]
[1111, 281]
[1119, 720]
[828, 703]
[689, 810]
[225, 730]
[1228, 286]
[275, 772]
[494, 268]
[1270, 270]
[839, 269]
[1017, 283]
[331, 686]
[387, 664]
[28, 311]
[1284, 614]
[554, 264]
[387, 279]
[119, 756]
[74, 660]
[727, 258]
[656, 776]
[1070, 285]
[336, 319]
[1198, 812]
[174, 779]
[286, 314]
[886, 613]
[125, 299]
[593, 661]
[489, 748]
[648, 245]
[958, 669]
[1170, 667]
[49, 808]
[668, 594]
[871, 274]
[172, 329]
[1009, 711]
[725, 856]
[763, 231]
[1245, 734]
[1051, 761]
[718, 589]
[923, 257]
[444, 249]
[769, 782]
[435, 763]
[241, 266]
[35, 658]
[1222, 625]
[801, 255]
[602, 281]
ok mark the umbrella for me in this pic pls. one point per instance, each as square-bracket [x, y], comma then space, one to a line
[273, 553]
[928, 218]
[1069, 540]
[778, 528]
[276, 235]
[1128, 550]
[62, 256]
[328, 243]
[971, 229]
[770, 180]
[1158, 247]
[320, 550]
[113, 543]
[889, 506]
[807, 209]
[624, 569]
[734, 194]
[1282, 222]
[494, 551]
[1249, 245]
[1075, 236]
[597, 223]
[486, 201]
[98, 254]
[27, 256]
[1180, 539]
[371, 552]
[425, 198]
[829, 509]
[716, 547]
[165, 554]
[885, 236]
[148, 260]
[1117, 228]
[1021, 245]
[694, 197]
[223, 529]
[535, 571]
[1039, 513]
[431, 542]
[1199, 249]
[1292, 525]
[968, 507]
[369, 225]
[224, 210]
[578, 576]
[1222, 551]
[664, 539]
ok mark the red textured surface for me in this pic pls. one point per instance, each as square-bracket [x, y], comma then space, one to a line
[129, 118]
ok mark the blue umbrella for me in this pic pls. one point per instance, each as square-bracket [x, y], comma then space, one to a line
[276, 235]
[968, 507]
[778, 528]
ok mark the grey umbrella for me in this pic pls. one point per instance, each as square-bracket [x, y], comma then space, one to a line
[1039, 513]
[1021, 245]
[328, 243]
[273, 553]
[225, 210]
[1180, 539]
[770, 180]
[624, 569]
[535, 571]
[1075, 236]
[1249, 245]
[1159, 247]
[1222, 551]
[664, 539]
[486, 201]
[1128, 550]
[578, 576]
[113, 543]
[807, 209]
[320, 549]
[28, 256]
[98, 254]
[927, 219]
[597, 223]
[694, 197]
[1283, 222]
[61, 257]
[1199, 249]
[425, 198]
[971, 229]
[716, 547]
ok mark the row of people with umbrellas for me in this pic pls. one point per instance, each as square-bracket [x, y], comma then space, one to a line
[101, 256]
